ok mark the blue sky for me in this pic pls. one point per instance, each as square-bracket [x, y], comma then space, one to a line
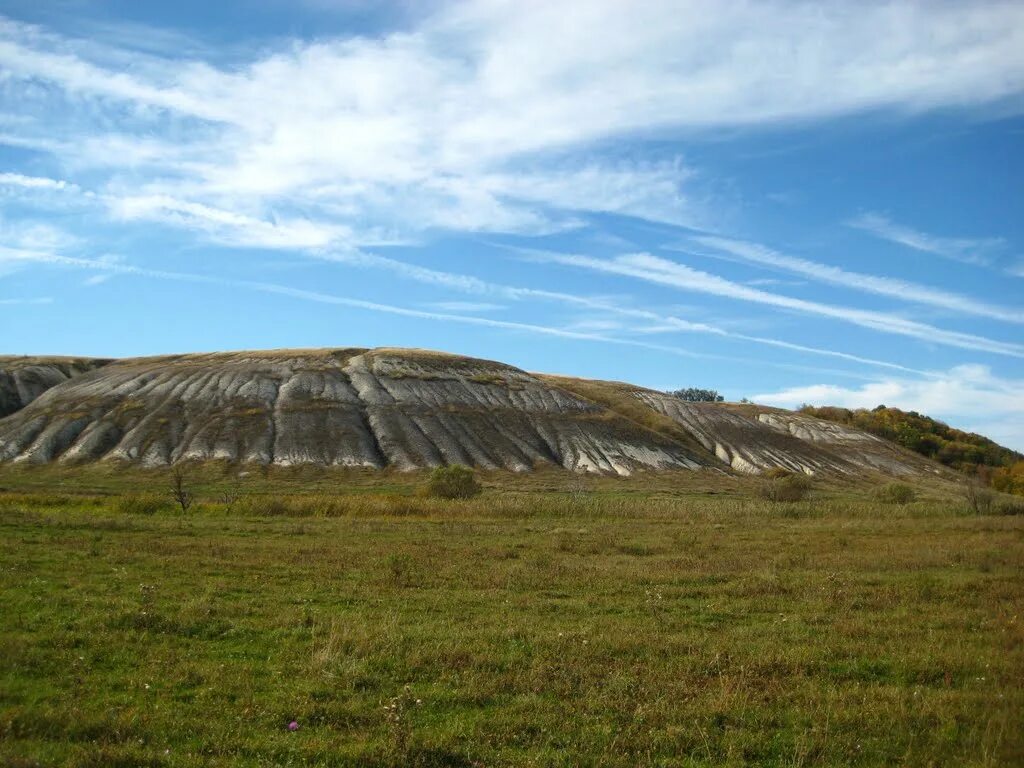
[788, 202]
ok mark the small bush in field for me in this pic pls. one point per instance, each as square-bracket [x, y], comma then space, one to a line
[454, 482]
[783, 485]
[140, 504]
[895, 493]
[179, 490]
[979, 498]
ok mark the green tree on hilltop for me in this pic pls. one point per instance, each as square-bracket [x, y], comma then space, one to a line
[696, 395]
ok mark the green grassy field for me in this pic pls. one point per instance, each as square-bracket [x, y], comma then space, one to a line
[675, 622]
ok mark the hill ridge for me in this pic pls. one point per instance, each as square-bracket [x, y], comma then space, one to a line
[408, 409]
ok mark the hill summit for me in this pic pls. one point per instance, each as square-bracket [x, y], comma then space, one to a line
[405, 409]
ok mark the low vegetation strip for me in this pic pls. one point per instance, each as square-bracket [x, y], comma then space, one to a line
[583, 625]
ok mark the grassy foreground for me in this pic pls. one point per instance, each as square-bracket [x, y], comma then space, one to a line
[618, 626]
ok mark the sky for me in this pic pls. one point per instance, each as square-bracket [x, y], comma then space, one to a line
[790, 202]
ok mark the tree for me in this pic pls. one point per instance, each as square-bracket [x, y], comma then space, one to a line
[979, 498]
[179, 490]
[696, 395]
[1009, 479]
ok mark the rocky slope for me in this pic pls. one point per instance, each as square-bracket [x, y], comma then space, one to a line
[23, 379]
[405, 409]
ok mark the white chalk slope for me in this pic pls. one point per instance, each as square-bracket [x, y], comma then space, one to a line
[406, 409]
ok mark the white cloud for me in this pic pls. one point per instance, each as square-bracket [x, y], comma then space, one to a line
[34, 182]
[101, 277]
[34, 236]
[654, 269]
[113, 267]
[883, 286]
[644, 190]
[229, 227]
[465, 306]
[599, 325]
[967, 250]
[968, 397]
[770, 281]
[457, 120]
[658, 323]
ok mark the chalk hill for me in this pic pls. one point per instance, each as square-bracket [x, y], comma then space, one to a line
[401, 408]
[23, 379]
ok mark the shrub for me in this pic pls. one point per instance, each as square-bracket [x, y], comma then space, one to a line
[776, 473]
[895, 493]
[140, 504]
[453, 482]
[785, 487]
[979, 498]
[179, 490]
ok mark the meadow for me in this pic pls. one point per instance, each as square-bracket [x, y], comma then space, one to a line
[551, 621]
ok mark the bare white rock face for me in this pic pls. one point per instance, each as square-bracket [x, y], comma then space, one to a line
[856, 446]
[407, 409]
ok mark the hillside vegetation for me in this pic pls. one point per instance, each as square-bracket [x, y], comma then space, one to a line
[963, 451]
[1009, 479]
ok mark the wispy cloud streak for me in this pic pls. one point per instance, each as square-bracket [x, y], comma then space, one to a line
[882, 286]
[471, 284]
[966, 250]
[110, 267]
[239, 230]
[34, 182]
[654, 269]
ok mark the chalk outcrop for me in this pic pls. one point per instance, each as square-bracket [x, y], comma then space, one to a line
[23, 379]
[406, 409]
